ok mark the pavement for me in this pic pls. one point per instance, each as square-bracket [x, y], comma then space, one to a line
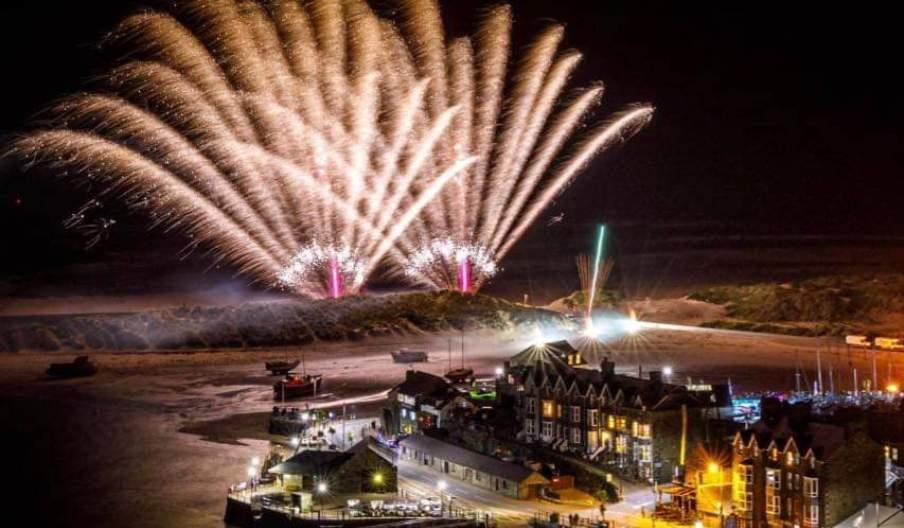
[417, 481]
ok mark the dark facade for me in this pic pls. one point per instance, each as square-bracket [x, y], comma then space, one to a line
[643, 426]
[417, 403]
[790, 470]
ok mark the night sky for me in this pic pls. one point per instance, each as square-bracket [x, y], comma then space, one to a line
[770, 122]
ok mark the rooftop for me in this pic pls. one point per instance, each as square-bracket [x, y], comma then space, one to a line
[465, 457]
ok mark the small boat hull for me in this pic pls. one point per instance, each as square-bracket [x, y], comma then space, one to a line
[295, 386]
[79, 368]
[280, 368]
[409, 356]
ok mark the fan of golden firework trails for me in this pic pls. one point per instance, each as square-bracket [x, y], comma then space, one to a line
[271, 134]
[585, 274]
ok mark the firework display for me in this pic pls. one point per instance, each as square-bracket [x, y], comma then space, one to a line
[310, 143]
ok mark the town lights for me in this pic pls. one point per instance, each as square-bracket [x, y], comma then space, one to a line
[255, 461]
[698, 524]
[305, 416]
[252, 472]
[322, 488]
[712, 467]
[667, 371]
[441, 485]
[295, 441]
[892, 388]
[378, 479]
[499, 372]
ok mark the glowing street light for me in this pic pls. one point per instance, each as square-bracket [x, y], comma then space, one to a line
[322, 488]
[698, 524]
[378, 479]
[667, 371]
[499, 372]
[252, 472]
[892, 388]
[441, 486]
[255, 461]
[295, 441]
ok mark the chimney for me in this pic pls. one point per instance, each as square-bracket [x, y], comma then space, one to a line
[607, 367]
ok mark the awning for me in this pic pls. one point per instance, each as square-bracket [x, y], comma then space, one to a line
[677, 490]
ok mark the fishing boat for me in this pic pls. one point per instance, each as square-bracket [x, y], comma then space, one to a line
[79, 367]
[409, 356]
[281, 367]
[295, 385]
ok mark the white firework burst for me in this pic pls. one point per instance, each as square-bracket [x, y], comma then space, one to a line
[323, 271]
[448, 264]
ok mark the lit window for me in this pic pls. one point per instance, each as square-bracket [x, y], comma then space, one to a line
[531, 406]
[548, 409]
[593, 417]
[529, 427]
[610, 422]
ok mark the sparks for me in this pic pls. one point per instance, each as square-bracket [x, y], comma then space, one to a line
[257, 128]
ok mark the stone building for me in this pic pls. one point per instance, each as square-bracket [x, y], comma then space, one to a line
[790, 469]
[644, 426]
[506, 478]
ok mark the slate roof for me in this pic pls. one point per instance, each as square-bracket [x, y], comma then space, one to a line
[312, 462]
[419, 383]
[544, 363]
[467, 458]
[824, 439]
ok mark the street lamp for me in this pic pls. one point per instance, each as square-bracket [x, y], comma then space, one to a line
[667, 371]
[322, 488]
[378, 479]
[255, 461]
[441, 486]
[499, 372]
[252, 473]
[295, 441]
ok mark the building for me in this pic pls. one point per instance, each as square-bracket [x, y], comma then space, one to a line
[505, 478]
[791, 470]
[642, 426]
[364, 468]
[418, 403]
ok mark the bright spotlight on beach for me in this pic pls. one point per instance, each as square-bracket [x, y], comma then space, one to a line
[632, 325]
[538, 339]
[590, 330]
